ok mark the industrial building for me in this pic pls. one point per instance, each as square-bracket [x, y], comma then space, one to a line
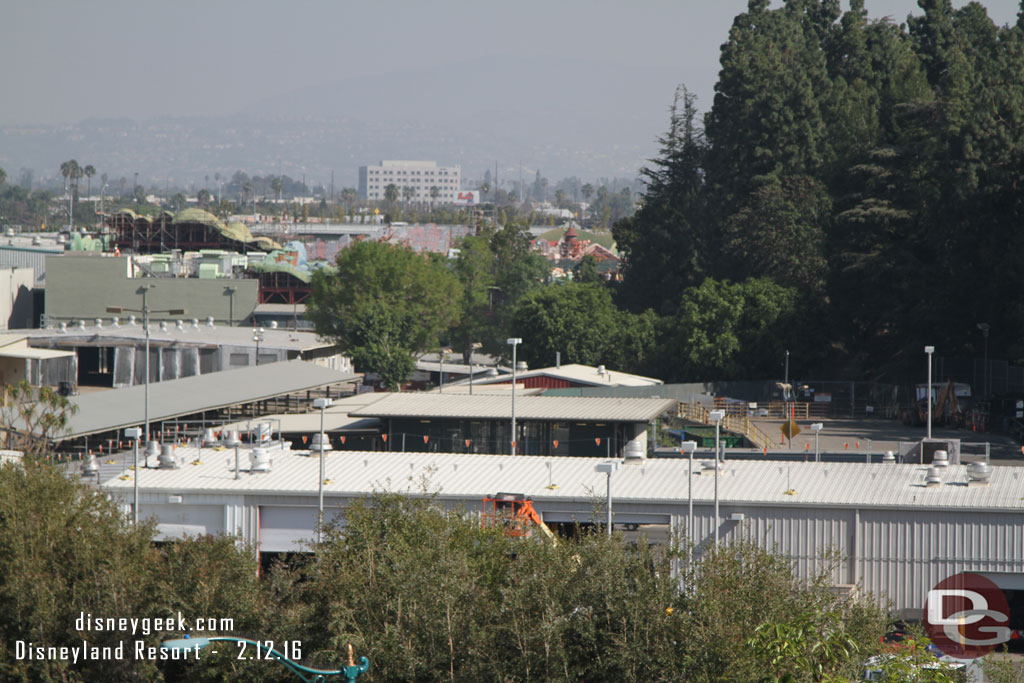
[421, 176]
[891, 531]
[545, 425]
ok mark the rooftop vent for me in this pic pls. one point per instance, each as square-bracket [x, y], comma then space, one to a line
[180, 324]
[888, 457]
[233, 439]
[131, 320]
[36, 241]
[163, 325]
[64, 327]
[600, 369]
[260, 460]
[979, 473]
[316, 446]
[152, 448]
[521, 366]
[99, 322]
[209, 438]
[634, 451]
[940, 459]
[209, 321]
[115, 321]
[89, 466]
[81, 324]
[932, 478]
[273, 324]
[166, 460]
[195, 323]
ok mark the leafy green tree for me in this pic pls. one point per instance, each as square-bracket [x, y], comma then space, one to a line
[780, 233]
[35, 417]
[580, 321]
[586, 271]
[383, 304]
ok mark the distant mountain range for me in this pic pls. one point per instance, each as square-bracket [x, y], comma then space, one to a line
[567, 118]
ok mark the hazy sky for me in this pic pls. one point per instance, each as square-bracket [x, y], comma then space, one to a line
[65, 60]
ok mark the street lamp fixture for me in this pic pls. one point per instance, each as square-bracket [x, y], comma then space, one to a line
[440, 374]
[257, 336]
[514, 342]
[351, 671]
[145, 311]
[607, 467]
[230, 291]
[717, 416]
[472, 347]
[816, 428]
[322, 404]
[929, 350]
[689, 447]
[134, 433]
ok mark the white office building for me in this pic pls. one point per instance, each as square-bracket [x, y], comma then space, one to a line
[421, 176]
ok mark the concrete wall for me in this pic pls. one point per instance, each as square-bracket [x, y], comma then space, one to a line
[80, 286]
[16, 305]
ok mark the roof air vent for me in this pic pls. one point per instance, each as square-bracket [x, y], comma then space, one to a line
[979, 472]
[940, 459]
[888, 457]
[932, 478]
[260, 460]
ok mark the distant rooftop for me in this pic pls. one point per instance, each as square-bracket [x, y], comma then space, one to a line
[547, 408]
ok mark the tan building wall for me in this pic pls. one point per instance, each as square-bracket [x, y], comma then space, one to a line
[80, 286]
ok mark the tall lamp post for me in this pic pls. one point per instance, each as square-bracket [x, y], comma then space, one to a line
[689, 447]
[230, 291]
[472, 347]
[514, 342]
[717, 416]
[816, 428]
[134, 433]
[440, 371]
[257, 336]
[984, 327]
[929, 350]
[607, 467]
[322, 404]
[144, 291]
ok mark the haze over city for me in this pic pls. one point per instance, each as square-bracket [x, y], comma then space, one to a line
[177, 91]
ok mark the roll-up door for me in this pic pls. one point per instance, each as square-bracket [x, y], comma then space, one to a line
[175, 521]
[285, 529]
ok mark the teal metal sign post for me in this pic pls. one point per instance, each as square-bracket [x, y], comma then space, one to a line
[351, 671]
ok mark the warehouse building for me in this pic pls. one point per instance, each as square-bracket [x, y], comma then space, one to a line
[879, 529]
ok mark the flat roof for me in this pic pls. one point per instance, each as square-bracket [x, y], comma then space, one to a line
[581, 374]
[202, 334]
[467, 476]
[118, 408]
[547, 408]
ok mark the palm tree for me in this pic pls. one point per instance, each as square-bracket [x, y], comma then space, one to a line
[89, 172]
[277, 184]
[435, 192]
[3, 177]
[65, 170]
[391, 192]
[349, 195]
[408, 192]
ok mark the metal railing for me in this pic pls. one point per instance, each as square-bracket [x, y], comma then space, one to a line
[733, 422]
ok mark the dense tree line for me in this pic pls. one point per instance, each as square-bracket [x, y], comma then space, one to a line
[424, 592]
[870, 171]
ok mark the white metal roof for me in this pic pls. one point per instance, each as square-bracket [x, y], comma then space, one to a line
[549, 408]
[220, 335]
[106, 410]
[357, 473]
[580, 374]
[21, 349]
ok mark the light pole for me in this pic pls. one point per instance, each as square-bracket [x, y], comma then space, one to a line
[230, 291]
[984, 327]
[929, 350]
[689, 447]
[144, 291]
[134, 433]
[322, 404]
[257, 336]
[514, 342]
[440, 372]
[351, 671]
[607, 467]
[472, 347]
[816, 428]
[717, 416]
